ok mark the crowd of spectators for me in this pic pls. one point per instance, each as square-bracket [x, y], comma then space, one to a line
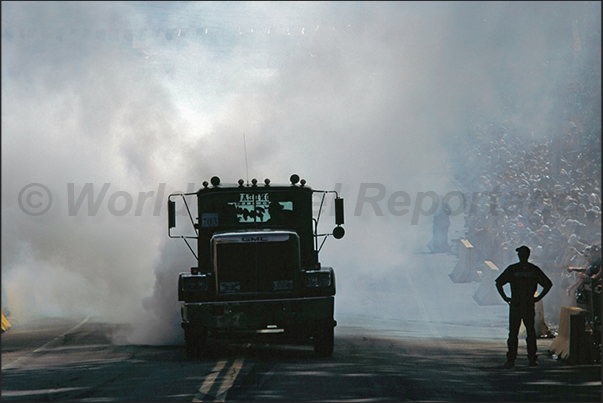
[545, 194]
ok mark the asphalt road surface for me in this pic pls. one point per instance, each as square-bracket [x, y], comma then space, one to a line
[431, 345]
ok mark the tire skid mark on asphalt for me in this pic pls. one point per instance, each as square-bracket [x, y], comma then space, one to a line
[209, 381]
[17, 363]
[227, 381]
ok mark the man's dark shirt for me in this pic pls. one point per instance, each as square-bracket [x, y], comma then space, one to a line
[524, 279]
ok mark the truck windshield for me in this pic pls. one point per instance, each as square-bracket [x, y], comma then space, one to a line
[237, 209]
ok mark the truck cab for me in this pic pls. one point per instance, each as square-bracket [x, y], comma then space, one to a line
[258, 269]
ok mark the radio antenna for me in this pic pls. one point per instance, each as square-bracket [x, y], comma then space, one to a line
[246, 167]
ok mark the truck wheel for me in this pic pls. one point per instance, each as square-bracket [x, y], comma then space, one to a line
[324, 338]
[195, 341]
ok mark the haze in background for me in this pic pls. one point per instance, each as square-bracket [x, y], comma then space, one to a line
[140, 94]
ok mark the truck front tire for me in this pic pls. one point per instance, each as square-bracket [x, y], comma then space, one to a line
[324, 338]
[195, 338]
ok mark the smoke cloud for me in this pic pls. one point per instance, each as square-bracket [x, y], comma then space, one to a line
[139, 94]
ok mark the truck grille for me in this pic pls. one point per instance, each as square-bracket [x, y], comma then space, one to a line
[255, 267]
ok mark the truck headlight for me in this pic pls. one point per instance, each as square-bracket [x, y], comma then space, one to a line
[194, 282]
[318, 278]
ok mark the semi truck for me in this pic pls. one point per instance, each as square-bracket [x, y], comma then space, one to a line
[258, 271]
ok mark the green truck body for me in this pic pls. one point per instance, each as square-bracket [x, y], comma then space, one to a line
[258, 269]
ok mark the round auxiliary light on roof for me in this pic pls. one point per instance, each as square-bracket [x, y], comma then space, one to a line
[294, 179]
[241, 182]
[303, 182]
[205, 184]
[215, 181]
[254, 182]
[267, 182]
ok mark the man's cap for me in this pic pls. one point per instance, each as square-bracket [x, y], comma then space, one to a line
[522, 248]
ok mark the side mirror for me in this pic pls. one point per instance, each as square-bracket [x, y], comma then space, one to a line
[338, 232]
[171, 214]
[339, 211]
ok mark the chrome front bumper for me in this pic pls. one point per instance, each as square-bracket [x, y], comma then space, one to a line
[258, 314]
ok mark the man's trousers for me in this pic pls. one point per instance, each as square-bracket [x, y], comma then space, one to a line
[517, 313]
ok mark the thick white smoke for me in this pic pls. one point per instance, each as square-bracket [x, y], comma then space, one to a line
[150, 97]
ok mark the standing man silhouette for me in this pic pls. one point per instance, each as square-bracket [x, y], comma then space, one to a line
[524, 278]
